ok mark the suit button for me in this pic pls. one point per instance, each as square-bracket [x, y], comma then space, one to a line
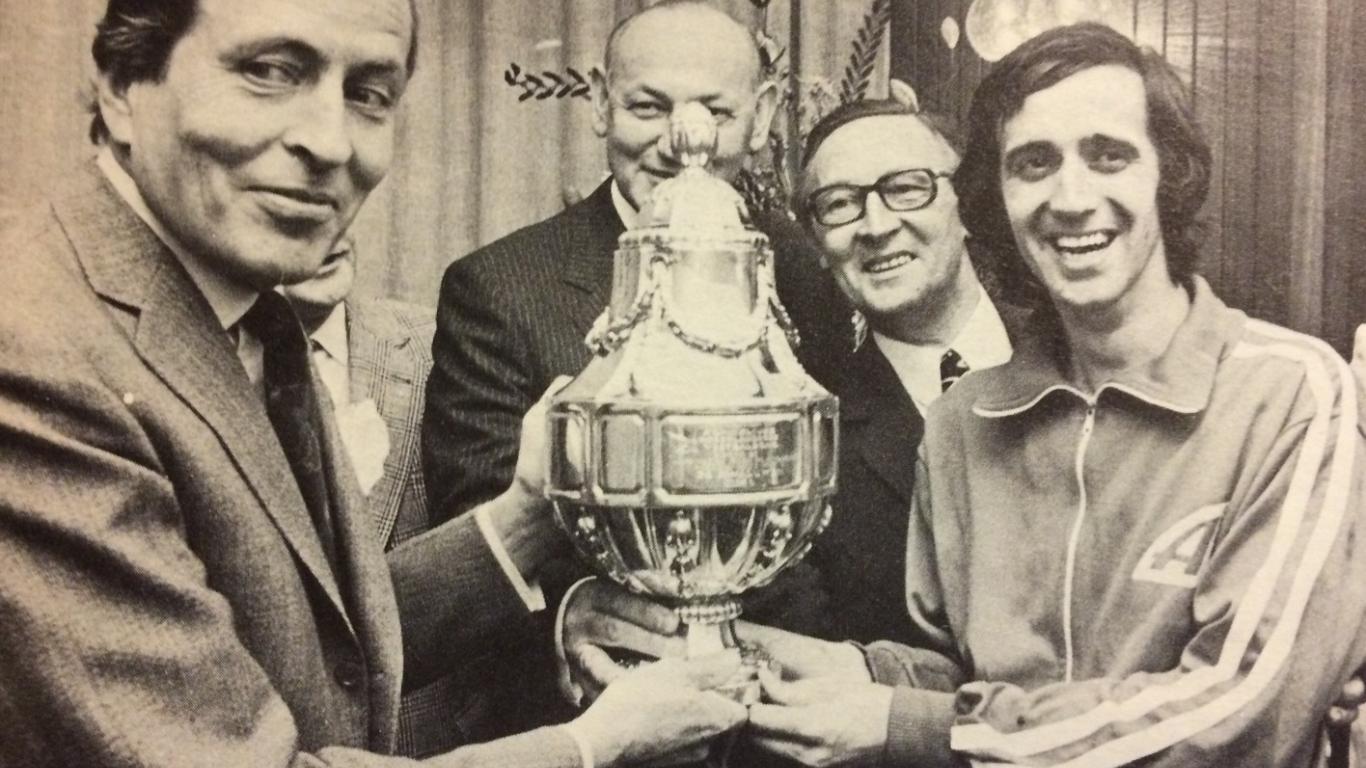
[350, 674]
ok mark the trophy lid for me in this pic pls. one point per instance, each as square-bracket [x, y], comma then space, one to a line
[694, 199]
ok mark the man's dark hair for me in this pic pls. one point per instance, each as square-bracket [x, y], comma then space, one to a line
[850, 112]
[134, 40]
[1184, 158]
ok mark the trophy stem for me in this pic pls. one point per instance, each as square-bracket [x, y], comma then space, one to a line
[710, 628]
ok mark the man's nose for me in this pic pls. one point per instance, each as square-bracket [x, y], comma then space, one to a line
[878, 220]
[319, 131]
[1074, 190]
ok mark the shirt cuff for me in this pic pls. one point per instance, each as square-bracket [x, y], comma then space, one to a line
[531, 594]
[571, 690]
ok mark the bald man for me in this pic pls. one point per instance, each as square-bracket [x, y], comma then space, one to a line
[513, 315]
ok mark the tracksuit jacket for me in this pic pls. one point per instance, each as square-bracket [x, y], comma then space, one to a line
[1164, 571]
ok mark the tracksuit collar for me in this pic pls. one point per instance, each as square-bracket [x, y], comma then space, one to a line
[1180, 380]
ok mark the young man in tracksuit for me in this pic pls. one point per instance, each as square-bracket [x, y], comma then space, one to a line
[1138, 540]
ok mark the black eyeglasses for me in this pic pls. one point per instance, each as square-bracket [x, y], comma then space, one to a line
[909, 190]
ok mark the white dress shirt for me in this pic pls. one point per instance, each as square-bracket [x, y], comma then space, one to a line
[982, 343]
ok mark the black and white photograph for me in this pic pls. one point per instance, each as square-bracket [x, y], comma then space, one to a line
[702, 383]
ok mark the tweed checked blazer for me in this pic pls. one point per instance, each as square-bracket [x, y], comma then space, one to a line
[390, 356]
[165, 598]
[389, 346]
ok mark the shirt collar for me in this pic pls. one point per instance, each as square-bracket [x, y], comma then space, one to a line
[229, 299]
[331, 335]
[624, 209]
[982, 342]
[1180, 380]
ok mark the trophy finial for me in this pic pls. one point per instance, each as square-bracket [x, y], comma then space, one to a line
[693, 132]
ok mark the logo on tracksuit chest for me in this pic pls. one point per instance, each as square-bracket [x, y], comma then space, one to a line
[1175, 556]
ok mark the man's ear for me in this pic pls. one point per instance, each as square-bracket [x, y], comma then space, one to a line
[765, 106]
[602, 102]
[115, 109]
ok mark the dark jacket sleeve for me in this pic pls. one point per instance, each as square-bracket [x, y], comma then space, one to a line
[481, 385]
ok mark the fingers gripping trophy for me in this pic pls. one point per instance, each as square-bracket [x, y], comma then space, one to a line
[694, 458]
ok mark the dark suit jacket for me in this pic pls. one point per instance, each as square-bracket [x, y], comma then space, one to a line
[165, 598]
[861, 556]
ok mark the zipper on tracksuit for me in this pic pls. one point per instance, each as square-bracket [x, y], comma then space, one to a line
[1079, 466]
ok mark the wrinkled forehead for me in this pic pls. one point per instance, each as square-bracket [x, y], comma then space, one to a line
[690, 40]
[1106, 100]
[377, 32]
[864, 150]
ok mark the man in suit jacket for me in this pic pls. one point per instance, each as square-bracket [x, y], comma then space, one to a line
[373, 357]
[188, 575]
[513, 315]
[887, 223]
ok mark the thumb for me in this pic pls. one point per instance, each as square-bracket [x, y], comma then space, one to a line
[777, 691]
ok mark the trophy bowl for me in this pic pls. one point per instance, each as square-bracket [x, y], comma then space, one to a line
[693, 459]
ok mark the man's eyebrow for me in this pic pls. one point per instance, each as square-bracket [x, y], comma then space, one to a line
[1099, 141]
[1029, 146]
[255, 47]
[383, 69]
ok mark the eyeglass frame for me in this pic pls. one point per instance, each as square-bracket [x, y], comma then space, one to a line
[864, 189]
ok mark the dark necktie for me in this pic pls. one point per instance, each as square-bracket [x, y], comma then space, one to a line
[291, 403]
[951, 369]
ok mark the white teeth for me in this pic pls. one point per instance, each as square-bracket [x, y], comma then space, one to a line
[887, 263]
[1088, 242]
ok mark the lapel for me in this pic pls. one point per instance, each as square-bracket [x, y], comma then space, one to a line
[879, 420]
[587, 233]
[369, 588]
[384, 364]
[178, 337]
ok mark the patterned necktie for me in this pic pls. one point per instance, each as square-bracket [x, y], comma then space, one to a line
[951, 369]
[291, 403]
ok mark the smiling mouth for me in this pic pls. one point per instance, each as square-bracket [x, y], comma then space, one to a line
[1083, 243]
[294, 207]
[888, 262]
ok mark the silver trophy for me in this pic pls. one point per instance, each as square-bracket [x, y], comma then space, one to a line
[695, 458]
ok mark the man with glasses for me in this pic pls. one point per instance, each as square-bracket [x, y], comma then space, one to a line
[875, 195]
[513, 315]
